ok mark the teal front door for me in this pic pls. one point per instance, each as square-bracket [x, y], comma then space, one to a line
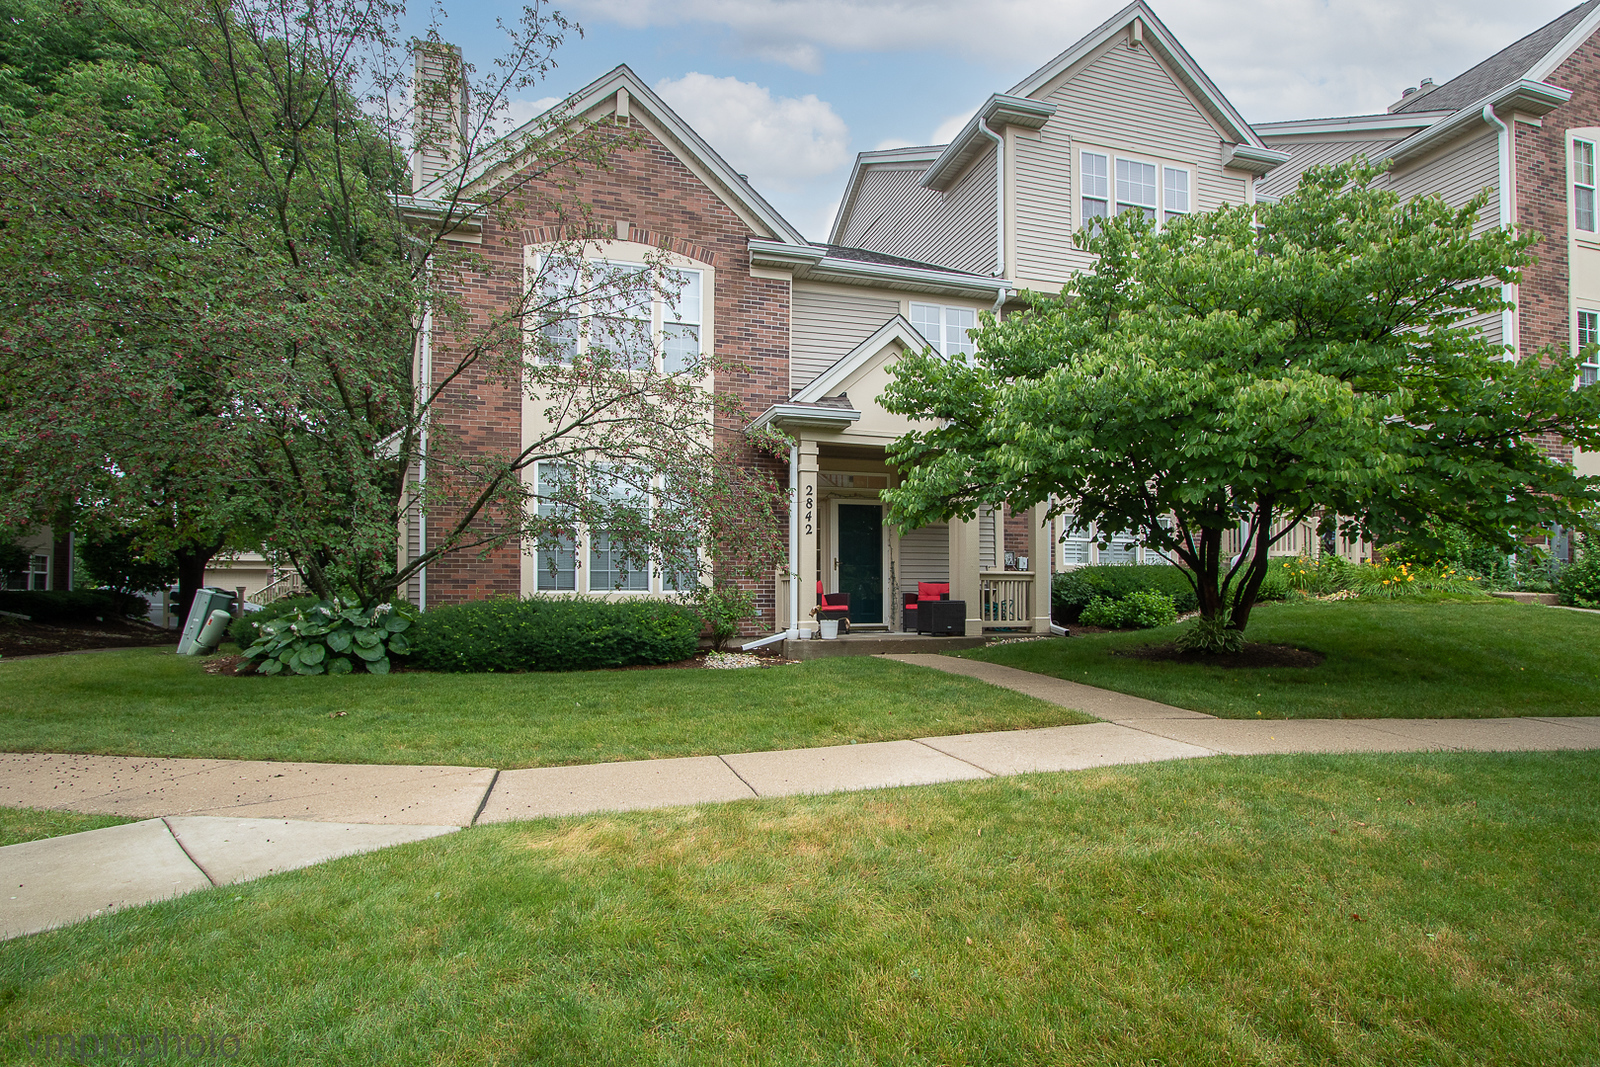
[861, 560]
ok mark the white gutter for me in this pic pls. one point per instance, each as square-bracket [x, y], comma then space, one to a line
[1507, 316]
[999, 201]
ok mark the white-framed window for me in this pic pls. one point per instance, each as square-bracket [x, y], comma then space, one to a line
[1083, 546]
[1589, 336]
[628, 317]
[1175, 193]
[556, 561]
[1109, 184]
[1136, 187]
[610, 567]
[1094, 179]
[1583, 185]
[586, 560]
[948, 329]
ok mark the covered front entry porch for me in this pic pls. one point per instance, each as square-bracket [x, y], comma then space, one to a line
[840, 538]
[845, 542]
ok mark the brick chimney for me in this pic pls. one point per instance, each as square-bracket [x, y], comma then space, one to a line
[439, 87]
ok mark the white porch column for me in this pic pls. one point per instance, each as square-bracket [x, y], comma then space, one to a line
[810, 526]
[964, 567]
[1041, 548]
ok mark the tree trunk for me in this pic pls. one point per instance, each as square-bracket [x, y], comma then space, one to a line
[192, 563]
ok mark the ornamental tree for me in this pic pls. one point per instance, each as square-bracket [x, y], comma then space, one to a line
[239, 283]
[1249, 369]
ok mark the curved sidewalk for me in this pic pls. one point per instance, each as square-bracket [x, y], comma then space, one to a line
[214, 822]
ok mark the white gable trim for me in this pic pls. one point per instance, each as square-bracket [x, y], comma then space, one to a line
[896, 329]
[1558, 55]
[664, 122]
[1157, 35]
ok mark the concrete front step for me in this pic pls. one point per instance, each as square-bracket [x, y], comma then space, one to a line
[878, 644]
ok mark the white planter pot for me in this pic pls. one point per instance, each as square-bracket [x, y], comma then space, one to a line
[830, 629]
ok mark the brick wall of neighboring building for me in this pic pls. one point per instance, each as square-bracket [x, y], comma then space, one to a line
[1542, 192]
[663, 203]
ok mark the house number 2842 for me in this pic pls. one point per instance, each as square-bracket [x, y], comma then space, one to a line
[811, 506]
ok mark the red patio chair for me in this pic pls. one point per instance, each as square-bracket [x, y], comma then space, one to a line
[926, 592]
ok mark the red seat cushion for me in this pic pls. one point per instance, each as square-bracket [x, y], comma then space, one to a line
[932, 590]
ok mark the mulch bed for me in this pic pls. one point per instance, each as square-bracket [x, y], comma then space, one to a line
[1253, 655]
[27, 638]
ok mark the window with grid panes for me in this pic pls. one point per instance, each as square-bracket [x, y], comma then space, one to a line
[947, 329]
[1176, 202]
[1136, 187]
[1095, 181]
[1589, 335]
[556, 560]
[610, 566]
[1583, 185]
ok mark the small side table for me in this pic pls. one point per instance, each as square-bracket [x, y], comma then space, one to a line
[943, 618]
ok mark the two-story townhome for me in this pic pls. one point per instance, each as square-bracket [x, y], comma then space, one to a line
[925, 240]
[1524, 125]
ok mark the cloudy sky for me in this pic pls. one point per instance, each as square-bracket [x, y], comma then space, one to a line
[790, 90]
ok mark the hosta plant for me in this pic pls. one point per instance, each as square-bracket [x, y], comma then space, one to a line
[333, 637]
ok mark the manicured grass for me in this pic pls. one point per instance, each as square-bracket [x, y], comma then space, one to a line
[1451, 659]
[150, 703]
[1413, 909]
[31, 824]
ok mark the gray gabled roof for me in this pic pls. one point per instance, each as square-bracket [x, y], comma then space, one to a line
[1504, 67]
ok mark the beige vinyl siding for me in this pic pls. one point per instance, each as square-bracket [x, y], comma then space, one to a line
[827, 324]
[1282, 179]
[988, 541]
[924, 556]
[894, 213]
[890, 202]
[1122, 98]
[1458, 175]
[413, 541]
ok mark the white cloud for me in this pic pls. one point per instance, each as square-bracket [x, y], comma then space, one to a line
[519, 112]
[780, 143]
[946, 131]
[892, 142]
[1273, 58]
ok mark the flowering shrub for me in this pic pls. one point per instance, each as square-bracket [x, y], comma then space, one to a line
[332, 637]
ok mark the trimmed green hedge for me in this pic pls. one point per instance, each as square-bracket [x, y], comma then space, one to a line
[1071, 591]
[551, 634]
[69, 606]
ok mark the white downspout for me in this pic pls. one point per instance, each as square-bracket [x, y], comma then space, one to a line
[793, 631]
[1508, 320]
[422, 463]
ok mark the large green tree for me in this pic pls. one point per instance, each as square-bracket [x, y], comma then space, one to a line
[1251, 368]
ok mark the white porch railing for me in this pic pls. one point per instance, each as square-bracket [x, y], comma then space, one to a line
[1005, 598]
[286, 586]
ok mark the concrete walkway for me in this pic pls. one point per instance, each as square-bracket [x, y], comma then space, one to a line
[213, 822]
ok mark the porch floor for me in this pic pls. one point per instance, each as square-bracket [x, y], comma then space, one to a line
[878, 643]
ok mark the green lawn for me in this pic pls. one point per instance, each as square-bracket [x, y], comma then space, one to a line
[31, 824]
[1431, 909]
[1464, 659]
[153, 703]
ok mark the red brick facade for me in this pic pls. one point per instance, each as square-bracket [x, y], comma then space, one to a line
[663, 203]
[1542, 191]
